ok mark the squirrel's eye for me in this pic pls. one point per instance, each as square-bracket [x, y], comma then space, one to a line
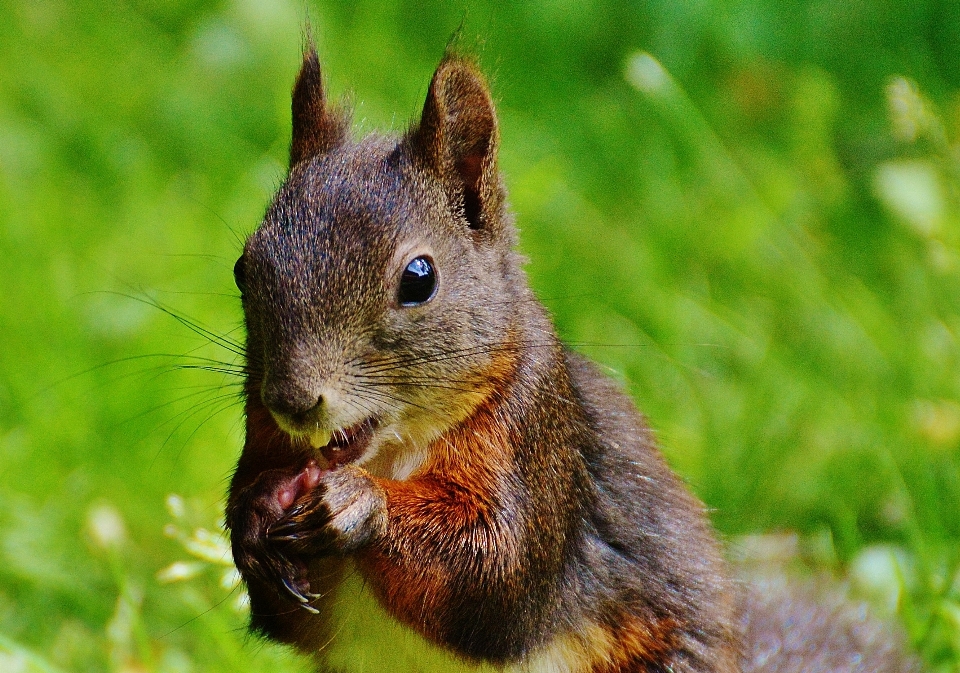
[240, 275]
[418, 282]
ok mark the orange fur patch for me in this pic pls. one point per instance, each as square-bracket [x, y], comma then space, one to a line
[447, 515]
[633, 645]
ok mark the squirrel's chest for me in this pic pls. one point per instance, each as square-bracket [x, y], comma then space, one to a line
[365, 638]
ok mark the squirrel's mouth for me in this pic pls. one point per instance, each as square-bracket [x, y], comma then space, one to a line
[347, 444]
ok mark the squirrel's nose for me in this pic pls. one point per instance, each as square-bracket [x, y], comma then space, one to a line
[290, 400]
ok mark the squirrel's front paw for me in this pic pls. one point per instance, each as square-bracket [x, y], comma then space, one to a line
[250, 516]
[345, 511]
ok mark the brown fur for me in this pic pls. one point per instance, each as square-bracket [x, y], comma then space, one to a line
[508, 502]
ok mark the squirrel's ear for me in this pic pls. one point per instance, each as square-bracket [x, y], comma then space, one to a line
[316, 129]
[457, 138]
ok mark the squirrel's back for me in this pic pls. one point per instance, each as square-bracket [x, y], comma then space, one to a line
[644, 525]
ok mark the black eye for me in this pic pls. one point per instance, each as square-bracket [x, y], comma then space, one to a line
[418, 282]
[240, 275]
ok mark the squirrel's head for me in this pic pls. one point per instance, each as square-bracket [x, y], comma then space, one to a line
[380, 291]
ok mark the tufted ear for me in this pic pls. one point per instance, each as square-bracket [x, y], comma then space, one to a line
[457, 139]
[316, 129]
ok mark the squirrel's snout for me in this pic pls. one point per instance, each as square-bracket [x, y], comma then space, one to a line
[297, 406]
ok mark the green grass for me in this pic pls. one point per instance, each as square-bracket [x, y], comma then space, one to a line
[736, 206]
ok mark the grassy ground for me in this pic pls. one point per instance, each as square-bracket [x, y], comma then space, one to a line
[748, 210]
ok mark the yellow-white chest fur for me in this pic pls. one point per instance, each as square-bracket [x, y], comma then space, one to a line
[365, 639]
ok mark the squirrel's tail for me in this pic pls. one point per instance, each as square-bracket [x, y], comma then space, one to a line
[803, 627]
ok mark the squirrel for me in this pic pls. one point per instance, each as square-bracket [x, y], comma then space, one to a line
[413, 420]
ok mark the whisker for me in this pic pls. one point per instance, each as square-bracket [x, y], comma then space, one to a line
[368, 411]
[123, 360]
[444, 355]
[193, 325]
[210, 368]
[416, 384]
[168, 403]
[201, 614]
[378, 394]
[231, 295]
[186, 416]
[401, 378]
[209, 418]
[237, 237]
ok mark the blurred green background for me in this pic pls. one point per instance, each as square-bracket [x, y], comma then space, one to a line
[748, 209]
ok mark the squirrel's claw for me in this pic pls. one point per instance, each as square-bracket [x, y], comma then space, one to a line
[265, 533]
[297, 509]
[302, 597]
[302, 529]
[287, 523]
[294, 591]
[281, 527]
[273, 537]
